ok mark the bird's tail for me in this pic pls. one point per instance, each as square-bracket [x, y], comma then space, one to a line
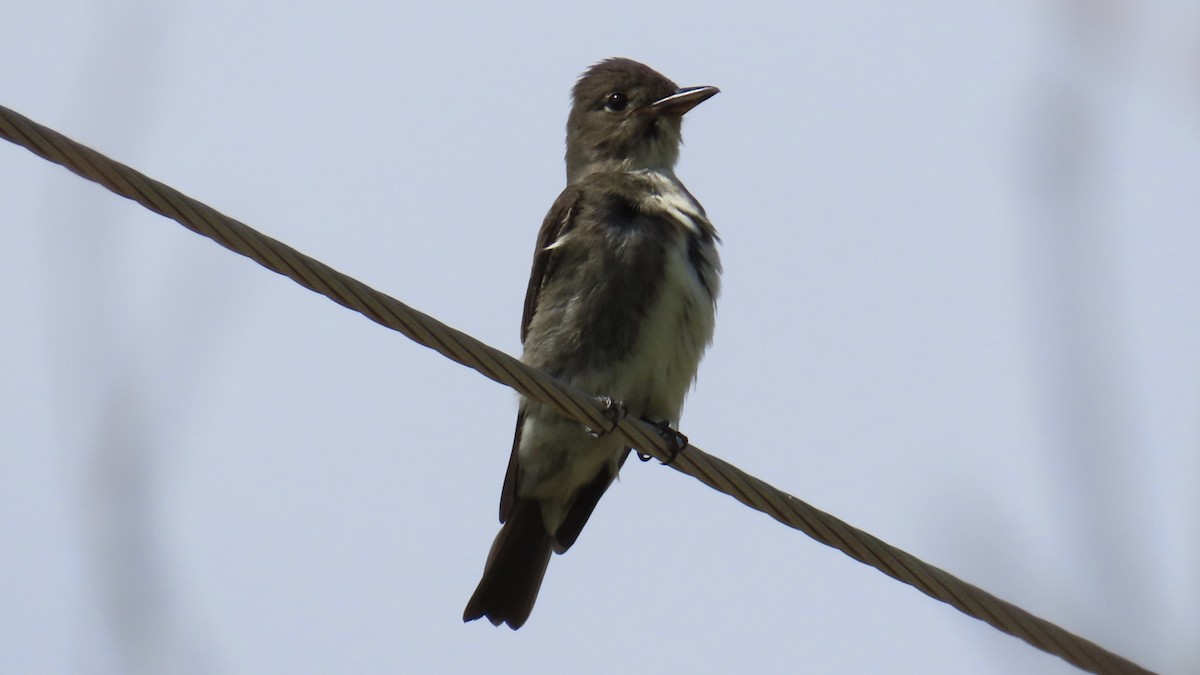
[514, 570]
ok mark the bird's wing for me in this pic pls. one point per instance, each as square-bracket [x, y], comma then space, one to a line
[557, 223]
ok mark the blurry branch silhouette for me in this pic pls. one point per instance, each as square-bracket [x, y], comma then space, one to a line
[143, 626]
[1086, 367]
[565, 399]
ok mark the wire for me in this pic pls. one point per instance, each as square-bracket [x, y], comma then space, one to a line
[567, 400]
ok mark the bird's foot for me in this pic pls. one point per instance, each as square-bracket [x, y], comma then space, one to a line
[614, 412]
[674, 438]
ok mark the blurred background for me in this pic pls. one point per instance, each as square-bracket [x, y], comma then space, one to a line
[960, 312]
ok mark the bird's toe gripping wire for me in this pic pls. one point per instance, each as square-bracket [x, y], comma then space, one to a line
[614, 412]
[673, 436]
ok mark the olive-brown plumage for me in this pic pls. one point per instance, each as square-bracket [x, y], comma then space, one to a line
[620, 303]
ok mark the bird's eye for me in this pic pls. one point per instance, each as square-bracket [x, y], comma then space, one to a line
[616, 102]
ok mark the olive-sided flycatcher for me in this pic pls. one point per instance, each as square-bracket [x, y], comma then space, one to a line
[620, 303]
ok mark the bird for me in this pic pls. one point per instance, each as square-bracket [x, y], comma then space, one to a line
[621, 303]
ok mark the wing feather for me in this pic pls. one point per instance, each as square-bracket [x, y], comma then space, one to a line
[557, 224]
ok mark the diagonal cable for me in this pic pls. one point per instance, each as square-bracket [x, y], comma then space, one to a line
[567, 400]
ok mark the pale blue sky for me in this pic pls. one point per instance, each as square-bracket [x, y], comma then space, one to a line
[959, 311]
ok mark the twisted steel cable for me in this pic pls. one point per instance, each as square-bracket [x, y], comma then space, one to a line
[567, 400]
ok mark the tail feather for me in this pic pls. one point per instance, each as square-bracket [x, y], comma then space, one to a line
[515, 567]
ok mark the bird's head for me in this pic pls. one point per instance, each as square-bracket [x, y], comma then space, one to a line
[627, 115]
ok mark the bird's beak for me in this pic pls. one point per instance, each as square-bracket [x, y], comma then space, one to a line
[682, 101]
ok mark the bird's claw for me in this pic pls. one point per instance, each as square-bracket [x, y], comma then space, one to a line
[614, 412]
[676, 440]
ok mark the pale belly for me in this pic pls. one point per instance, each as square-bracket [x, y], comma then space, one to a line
[558, 455]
